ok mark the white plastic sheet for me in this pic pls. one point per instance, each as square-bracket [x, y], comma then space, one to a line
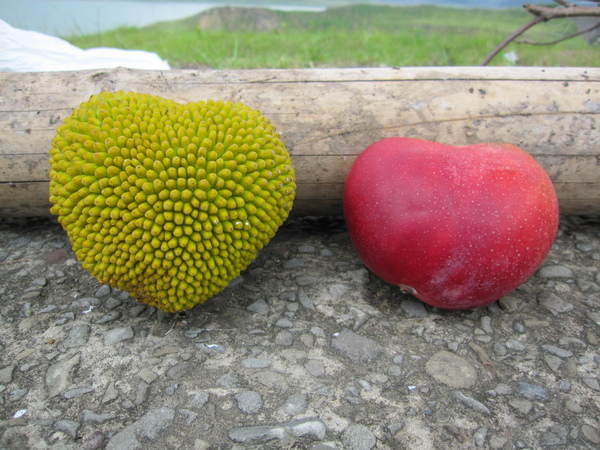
[30, 51]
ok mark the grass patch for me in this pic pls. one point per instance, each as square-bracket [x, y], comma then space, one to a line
[356, 36]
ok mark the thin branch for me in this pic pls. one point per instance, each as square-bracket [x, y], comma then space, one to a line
[543, 14]
[578, 33]
[561, 13]
[510, 38]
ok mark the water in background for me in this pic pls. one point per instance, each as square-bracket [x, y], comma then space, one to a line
[75, 17]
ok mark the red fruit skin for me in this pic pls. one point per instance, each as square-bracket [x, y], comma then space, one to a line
[458, 227]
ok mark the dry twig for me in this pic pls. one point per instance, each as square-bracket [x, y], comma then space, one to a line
[578, 33]
[484, 358]
[544, 14]
[569, 10]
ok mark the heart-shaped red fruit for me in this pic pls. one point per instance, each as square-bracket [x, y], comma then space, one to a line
[458, 227]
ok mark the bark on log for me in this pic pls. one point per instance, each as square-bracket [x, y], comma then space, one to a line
[327, 117]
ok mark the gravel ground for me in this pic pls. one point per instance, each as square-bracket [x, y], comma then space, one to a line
[305, 350]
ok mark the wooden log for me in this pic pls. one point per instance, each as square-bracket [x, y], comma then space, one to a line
[327, 117]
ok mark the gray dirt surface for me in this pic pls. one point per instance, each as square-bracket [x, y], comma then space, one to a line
[306, 350]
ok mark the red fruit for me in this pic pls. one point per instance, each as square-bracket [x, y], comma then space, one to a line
[458, 227]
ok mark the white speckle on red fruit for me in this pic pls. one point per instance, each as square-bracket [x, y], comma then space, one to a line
[462, 226]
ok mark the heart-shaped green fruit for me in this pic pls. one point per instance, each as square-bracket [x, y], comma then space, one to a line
[168, 202]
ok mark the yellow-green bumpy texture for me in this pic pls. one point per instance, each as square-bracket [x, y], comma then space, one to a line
[168, 202]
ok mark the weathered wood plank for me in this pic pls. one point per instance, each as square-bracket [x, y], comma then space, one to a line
[327, 117]
[31, 198]
[28, 199]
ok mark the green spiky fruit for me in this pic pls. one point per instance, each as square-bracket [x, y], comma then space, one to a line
[168, 202]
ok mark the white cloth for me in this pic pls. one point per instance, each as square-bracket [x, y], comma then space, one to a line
[30, 51]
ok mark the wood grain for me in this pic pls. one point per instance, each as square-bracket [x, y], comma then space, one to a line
[327, 117]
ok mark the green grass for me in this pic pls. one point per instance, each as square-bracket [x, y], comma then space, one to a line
[357, 36]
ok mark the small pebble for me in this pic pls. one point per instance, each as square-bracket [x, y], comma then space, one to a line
[584, 246]
[591, 434]
[85, 303]
[305, 300]
[78, 336]
[519, 328]
[190, 418]
[306, 280]
[69, 427]
[564, 386]
[108, 318]
[503, 389]
[148, 375]
[230, 380]
[260, 306]
[284, 338]
[102, 291]
[553, 349]
[413, 308]
[573, 406]
[592, 383]
[555, 271]
[532, 391]
[17, 394]
[170, 390]
[486, 325]
[480, 436]
[112, 303]
[78, 392]
[256, 363]
[472, 403]
[178, 371]
[522, 405]
[249, 402]
[284, 323]
[39, 282]
[315, 367]
[117, 335]
[295, 404]
[91, 417]
[295, 263]
[358, 437]
[553, 303]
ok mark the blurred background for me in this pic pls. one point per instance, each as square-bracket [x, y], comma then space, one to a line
[311, 33]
